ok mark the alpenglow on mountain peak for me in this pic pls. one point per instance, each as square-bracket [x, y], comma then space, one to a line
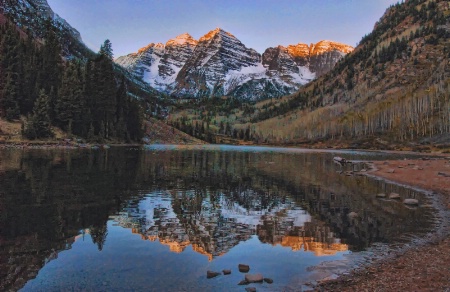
[182, 39]
[218, 64]
[217, 31]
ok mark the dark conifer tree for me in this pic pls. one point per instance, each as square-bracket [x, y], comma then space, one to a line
[10, 69]
[50, 78]
[39, 125]
[70, 102]
[106, 50]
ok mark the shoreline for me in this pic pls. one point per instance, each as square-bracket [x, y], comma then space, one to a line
[421, 265]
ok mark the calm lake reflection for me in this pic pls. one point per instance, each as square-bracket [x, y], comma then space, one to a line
[157, 218]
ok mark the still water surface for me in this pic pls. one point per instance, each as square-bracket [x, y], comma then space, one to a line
[157, 218]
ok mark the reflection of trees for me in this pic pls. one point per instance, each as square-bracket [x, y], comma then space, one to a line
[98, 235]
[48, 197]
[330, 197]
[217, 199]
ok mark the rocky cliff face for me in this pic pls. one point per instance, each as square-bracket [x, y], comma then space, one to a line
[318, 58]
[219, 64]
[159, 64]
[217, 53]
[31, 15]
[325, 54]
[21, 10]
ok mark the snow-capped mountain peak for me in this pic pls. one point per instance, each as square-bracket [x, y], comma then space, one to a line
[216, 32]
[327, 46]
[219, 64]
[182, 39]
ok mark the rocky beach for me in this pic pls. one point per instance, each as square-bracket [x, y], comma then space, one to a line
[424, 267]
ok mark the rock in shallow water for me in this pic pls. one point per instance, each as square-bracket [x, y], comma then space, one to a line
[411, 202]
[211, 274]
[250, 289]
[394, 196]
[244, 268]
[254, 278]
[243, 282]
[226, 272]
[268, 280]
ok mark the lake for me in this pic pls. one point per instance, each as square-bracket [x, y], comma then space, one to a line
[157, 218]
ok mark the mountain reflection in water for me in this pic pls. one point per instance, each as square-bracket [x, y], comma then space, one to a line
[215, 223]
[211, 200]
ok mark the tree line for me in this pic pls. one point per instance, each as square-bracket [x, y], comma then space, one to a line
[86, 98]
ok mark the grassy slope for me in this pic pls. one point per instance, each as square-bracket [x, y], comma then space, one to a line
[158, 132]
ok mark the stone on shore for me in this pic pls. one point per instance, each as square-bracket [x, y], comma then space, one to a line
[443, 174]
[244, 268]
[381, 195]
[254, 278]
[411, 202]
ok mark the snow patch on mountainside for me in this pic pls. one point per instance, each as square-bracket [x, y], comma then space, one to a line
[219, 64]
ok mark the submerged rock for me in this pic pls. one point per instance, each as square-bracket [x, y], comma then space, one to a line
[211, 274]
[394, 196]
[250, 289]
[254, 278]
[243, 282]
[244, 268]
[339, 159]
[411, 202]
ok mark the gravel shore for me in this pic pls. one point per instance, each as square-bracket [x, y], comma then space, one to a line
[419, 268]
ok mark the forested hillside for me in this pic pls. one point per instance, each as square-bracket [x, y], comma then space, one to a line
[84, 98]
[394, 86]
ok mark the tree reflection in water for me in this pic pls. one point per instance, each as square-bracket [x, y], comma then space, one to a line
[208, 199]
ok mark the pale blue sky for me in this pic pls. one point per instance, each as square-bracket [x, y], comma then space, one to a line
[259, 24]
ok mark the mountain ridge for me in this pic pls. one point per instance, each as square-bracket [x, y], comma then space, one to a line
[219, 64]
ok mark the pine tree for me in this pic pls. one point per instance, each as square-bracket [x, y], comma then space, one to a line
[121, 110]
[50, 79]
[39, 124]
[10, 69]
[106, 50]
[103, 94]
[9, 101]
[70, 101]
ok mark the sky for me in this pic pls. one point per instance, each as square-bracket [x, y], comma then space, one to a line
[258, 24]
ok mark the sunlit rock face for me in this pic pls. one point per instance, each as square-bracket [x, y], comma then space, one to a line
[219, 64]
[159, 64]
[317, 58]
